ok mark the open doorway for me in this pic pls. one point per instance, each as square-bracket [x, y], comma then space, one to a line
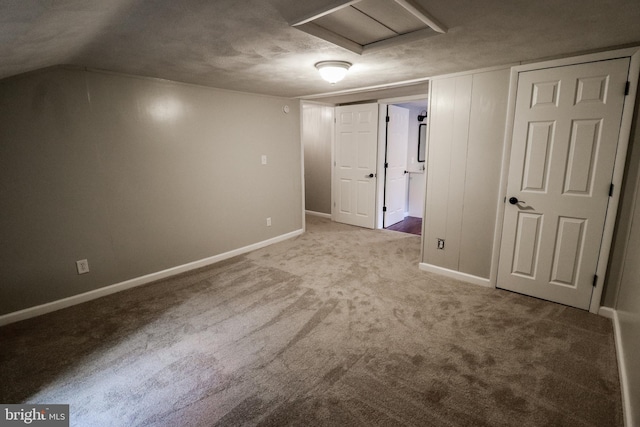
[404, 166]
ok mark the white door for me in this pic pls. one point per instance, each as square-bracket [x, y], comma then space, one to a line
[565, 135]
[395, 193]
[355, 164]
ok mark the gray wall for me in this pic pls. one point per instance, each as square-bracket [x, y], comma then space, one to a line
[466, 137]
[625, 213]
[317, 137]
[136, 175]
[627, 306]
[622, 286]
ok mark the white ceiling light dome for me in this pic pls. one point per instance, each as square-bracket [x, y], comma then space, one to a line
[333, 71]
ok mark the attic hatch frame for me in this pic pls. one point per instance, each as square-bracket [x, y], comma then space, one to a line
[307, 25]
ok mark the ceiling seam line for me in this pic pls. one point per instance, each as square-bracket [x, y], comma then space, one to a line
[374, 19]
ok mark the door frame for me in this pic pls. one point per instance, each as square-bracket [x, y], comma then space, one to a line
[382, 146]
[618, 168]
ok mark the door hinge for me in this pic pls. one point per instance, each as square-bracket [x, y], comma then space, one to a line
[386, 165]
[611, 190]
[595, 280]
[384, 209]
[387, 119]
[627, 88]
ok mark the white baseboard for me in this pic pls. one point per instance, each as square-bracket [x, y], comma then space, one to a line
[469, 278]
[607, 312]
[39, 310]
[622, 366]
[320, 214]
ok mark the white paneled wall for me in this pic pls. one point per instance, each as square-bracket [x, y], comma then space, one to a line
[466, 133]
[448, 136]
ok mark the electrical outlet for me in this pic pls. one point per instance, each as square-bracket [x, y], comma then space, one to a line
[269, 222]
[82, 266]
[440, 243]
[264, 159]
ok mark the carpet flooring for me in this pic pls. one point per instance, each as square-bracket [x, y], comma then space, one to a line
[336, 327]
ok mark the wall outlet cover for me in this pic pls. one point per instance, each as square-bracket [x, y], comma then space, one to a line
[82, 266]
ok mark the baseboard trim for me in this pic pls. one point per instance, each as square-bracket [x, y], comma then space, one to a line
[469, 278]
[607, 312]
[320, 214]
[49, 307]
[622, 366]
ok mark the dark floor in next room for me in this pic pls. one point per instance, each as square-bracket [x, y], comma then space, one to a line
[411, 225]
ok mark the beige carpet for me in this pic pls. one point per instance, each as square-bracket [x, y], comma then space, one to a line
[336, 327]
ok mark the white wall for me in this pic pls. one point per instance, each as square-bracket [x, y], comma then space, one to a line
[417, 177]
[137, 175]
[417, 185]
[466, 132]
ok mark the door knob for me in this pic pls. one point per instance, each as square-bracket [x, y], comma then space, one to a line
[369, 176]
[515, 201]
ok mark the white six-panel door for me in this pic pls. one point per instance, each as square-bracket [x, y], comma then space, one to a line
[395, 177]
[355, 164]
[565, 134]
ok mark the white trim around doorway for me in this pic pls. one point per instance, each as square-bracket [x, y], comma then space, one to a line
[382, 140]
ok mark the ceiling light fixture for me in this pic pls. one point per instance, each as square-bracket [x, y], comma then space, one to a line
[333, 71]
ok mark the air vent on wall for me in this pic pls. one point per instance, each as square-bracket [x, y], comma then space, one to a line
[362, 26]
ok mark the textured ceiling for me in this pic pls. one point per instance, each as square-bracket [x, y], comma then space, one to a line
[248, 45]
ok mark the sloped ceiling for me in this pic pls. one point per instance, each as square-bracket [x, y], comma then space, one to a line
[248, 45]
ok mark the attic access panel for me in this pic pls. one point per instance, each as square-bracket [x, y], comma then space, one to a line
[363, 26]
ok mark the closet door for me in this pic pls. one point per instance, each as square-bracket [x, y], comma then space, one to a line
[565, 136]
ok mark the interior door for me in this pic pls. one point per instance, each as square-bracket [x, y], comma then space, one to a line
[355, 164]
[395, 172]
[565, 134]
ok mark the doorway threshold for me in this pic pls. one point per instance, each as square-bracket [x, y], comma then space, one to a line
[410, 224]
